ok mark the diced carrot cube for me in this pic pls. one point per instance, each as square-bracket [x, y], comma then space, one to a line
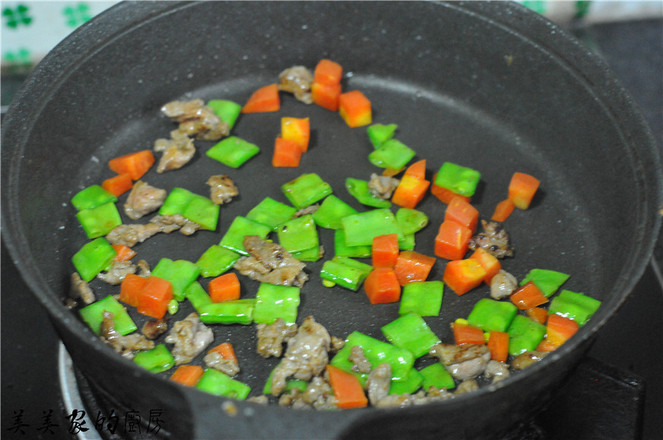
[522, 189]
[467, 334]
[187, 375]
[503, 210]
[488, 261]
[355, 108]
[225, 287]
[154, 298]
[413, 266]
[297, 130]
[118, 185]
[462, 212]
[463, 275]
[326, 95]
[131, 289]
[327, 72]
[381, 286]
[384, 251]
[443, 194]
[287, 153]
[452, 240]
[410, 191]
[265, 99]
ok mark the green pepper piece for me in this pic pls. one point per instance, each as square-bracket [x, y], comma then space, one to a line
[233, 151]
[227, 111]
[407, 242]
[298, 234]
[410, 384]
[490, 315]
[240, 228]
[93, 315]
[411, 220]
[306, 189]
[422, 297]
[196, 294]
[100, 220]
[411, 332]
[437, 376]
[359, 190]
[343, 250]
[574, 305]
[202, 211]
[458, 179]
[180, 273]
[360, 229]
[525, 334]
[239, 311]
[156, 360]
[176, 202]
[391, 154]
[91, 197]
[345, 272]
[273, 302]
[271, 213]
[216, 260]
[290, 384]
[313, 254]
[220, 384]
[380, 133]
[548, 281]
[94, 257]
[331, 211]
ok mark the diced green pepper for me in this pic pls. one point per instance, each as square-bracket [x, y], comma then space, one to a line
[298, 234]
[574, 305]
[378, 134]
[331, 211]
[220, 384]
[240, 228]
[345, 272]
[156, 360]
[306, 189]
[458, 179]
[176, 201]
[216, 260]
[391, 154]
[548, 281]
[406, 242]
[525, 334]
[313, 254]
[411, 332]
[290, 384]
[100, 220]
[233, 151]
[271, 213]
[94, 257]
[491, 315]
[360, 229]
[173, 306]
[227, 111]
[343, 250]
[437, 376]
[179, 273]
[197, 296]
[202, 211]
[93, 315]
[422, 297]
[91, 197]
[359, 190]
[409, 385]
[411, 220]
[239, 311]
[273, 302]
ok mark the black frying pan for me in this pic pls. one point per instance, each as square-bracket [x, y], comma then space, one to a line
[487, 85]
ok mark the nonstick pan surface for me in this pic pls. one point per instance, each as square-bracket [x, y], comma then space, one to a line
[489, 86]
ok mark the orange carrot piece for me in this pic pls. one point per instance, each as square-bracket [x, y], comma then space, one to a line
[326, 95]
[462, 212]
[287, 153]
[131, 289]
[528, 296]
[417, 169]
[413, 266]
[498, 344]
[327, 72]
[503, 210]
[154, 297]
[463, 275]
[384, 250]
[118, 185]
[522, 189]
[381, 286]
[226, 350]
[410, 191]
[537, 314]
[452, 240]
[355, 108]
[488, 261]
[124, 253]
[467, 334]
[559, 329]
[225, 287]
[297, 130]
[391, 172]
[265, 99]
[134, 164]
[187, 375]
[347, 388]
[443, 194]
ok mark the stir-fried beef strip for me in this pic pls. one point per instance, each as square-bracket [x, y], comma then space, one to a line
[125, 345]
[308, 210]
[527, 359]
[143, 269]
[117, 272]
[497, 371]
[177, 151]
[80, 289]
[378, 383]
[462, 361]
[143, 199]
[467, 386]
[359, 362]
[131, 234]
[502, 285]
[222, 189]
[297, 80]
[271, 337]
[336, 344]
[493, 239]
[153, 328]
[306, 356]
[419, 398]
[382, 186]
[215, 360]
[170, 223]
[318, 395]
[270, 263]
[196, 119]
[190, 337]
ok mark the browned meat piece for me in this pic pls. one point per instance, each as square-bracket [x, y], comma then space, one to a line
[308, 210]
[144, 269]
[170, 223]
[318, 395]
[177, 151]
[467, 386]
[306, 356]
[378, 383]
[419, 398]
[196, 119]
[215, 360]
[462, 361]
[502, 285]
[80, 289]
[297, 80]
[382, 186]
[125, 345]
[497, 371]
[527, 359]
[336, 344]
[261, 399]
[154, 328]
[359, 362]
[190, 337]
[271, 337]
[118, 272]
[143, 199]
[130, 235]
[222, 189]
[270, 263]
[493, 239]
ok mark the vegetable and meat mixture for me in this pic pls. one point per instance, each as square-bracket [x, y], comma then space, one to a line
[374, 254]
